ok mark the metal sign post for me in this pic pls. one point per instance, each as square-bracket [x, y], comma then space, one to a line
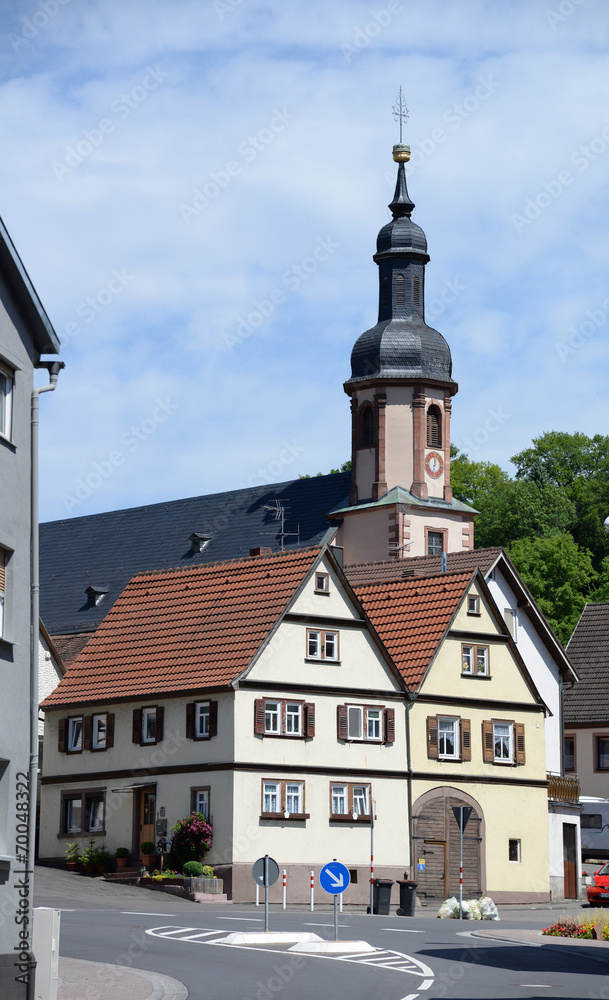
[372, 857]
[462, 814]
[265, 872]
[334, 879]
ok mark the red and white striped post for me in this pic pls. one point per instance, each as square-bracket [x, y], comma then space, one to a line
[312, 891]
[284, 889]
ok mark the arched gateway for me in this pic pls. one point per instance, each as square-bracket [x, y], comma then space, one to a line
[436, 845]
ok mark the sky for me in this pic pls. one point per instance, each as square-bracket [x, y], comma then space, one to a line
[195, 189]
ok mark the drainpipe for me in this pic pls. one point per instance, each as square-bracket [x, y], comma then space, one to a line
[409, 704]
[53, 368]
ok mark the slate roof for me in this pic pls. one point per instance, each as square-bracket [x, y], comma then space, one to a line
[107, 550]
[588, 649]
[396, 569]
[412, 615]
[400, 495]
[184, 629]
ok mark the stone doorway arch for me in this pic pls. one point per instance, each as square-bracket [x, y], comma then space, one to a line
[436, 842]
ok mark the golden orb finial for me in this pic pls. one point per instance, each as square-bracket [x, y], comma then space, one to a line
[401, 152]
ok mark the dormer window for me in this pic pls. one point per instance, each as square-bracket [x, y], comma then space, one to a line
[400, 290]
[95, 595]
[198, 542]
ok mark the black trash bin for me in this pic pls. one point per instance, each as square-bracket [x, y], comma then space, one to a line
[408, 898]
[381, 896]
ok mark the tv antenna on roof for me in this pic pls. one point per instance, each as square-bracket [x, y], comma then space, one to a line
[278, 510]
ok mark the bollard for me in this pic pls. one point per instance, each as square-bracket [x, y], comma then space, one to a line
[257, 894]
[284, 889]
[312, 891]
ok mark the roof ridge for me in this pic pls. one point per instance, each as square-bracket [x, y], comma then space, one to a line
[463, 573]
[246, 560]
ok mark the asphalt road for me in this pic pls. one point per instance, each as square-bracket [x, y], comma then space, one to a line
[423, 957]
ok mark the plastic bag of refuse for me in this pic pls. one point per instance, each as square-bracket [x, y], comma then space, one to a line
[448, 907]
[488, 910]
[474, 906]
[466, 911]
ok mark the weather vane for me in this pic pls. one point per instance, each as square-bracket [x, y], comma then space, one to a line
[400, 111]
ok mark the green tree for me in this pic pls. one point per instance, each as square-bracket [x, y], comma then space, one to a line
[522, 510]
[559, 575]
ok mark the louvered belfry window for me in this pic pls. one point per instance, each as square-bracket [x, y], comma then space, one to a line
[385, 292]
[400, 291]
[434, 437]
[416, 291]
[367, 428]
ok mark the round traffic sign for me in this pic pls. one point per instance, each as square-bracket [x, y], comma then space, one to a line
[334, 878]
[272, 869]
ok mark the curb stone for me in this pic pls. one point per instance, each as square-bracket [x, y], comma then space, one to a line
[160, 987]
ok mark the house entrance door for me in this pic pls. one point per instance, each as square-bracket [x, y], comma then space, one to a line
[147, 814]
[569, 850]
[432, 881]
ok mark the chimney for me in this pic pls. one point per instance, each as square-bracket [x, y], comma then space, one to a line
[261, 550]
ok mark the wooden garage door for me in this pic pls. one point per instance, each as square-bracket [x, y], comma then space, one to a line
[436, 830]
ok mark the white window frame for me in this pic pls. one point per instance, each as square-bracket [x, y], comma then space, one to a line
[202, 715]
[322, 583]
[272, 717]
[450, 724]
[339, 798]
[498, 736]
[7, 381]
[293, 716]
[322, 644]
[271, 794]
[70, 824]
[95, 808]
[473, 604]
[361, 794]
[147, 715]
[294, 797]
[201, 796]
[75, 734]
[376, 718]
[516, 860]
[366, 714]
[355, 712]
[435, 535]
[90, 808]
[99, 722]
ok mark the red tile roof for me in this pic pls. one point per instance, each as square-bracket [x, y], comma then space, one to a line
[69, 646]
[412, 615]
[184, 629]
[395, 569]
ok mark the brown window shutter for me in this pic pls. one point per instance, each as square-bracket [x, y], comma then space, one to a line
[466, 739]
[488, 751]
[309, 711]
[389, 725]
[61, 735]
[190, 720]
[136, 729]
[213, 718]
[160, 712]
[519, 742]
[342, 721]
[432, 737]
[109, 730]
[87, 729]
[259, 717]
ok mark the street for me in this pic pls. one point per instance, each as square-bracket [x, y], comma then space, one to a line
[420, 956]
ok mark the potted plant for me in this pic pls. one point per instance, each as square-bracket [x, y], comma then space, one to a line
[122, 856]
[88, 857]
[73, 856]
[148, 853]
[103, 859]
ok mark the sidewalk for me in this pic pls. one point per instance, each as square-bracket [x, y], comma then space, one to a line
[541, 940]
[80, 980]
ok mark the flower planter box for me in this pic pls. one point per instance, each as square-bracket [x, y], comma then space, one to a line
[214, 886]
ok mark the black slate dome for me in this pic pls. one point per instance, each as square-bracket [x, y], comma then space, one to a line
[401, 345]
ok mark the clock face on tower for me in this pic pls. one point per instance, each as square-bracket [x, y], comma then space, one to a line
[434, 464]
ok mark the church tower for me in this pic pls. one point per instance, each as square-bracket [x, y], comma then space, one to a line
[401, 389]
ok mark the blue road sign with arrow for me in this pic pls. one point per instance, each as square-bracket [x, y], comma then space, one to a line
[334, 878]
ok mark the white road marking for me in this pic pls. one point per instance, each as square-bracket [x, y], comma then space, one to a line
[139, 913]
[411, 996]
[426, 984]
[402, 930]
[255, 920]
[312, 923]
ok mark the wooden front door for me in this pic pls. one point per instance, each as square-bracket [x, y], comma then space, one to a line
[569, 849]
[432, 881]
[147, 814]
